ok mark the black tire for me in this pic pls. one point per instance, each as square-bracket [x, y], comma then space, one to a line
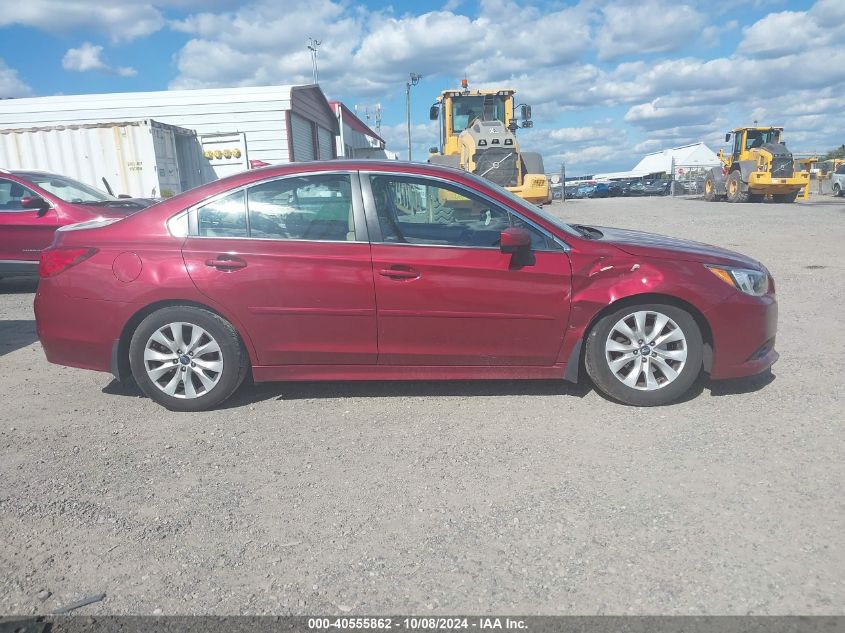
[606, 381]
[444, 214]
[785, 197]
[532, 163]
[232, 352]
[710, 189]
[837, 191]
[735, 188]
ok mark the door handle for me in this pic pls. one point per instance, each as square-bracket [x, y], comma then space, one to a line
[226, 262]
[399, 273]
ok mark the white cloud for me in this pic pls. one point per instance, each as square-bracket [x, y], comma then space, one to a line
[651, 26]
[368, 53]
[10, 83]
[575, 134]
[88, 57]
[423, 137]
[654, 115]
[120, 22]
[790, 32]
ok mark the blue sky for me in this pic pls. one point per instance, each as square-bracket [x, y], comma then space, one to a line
[609, 81]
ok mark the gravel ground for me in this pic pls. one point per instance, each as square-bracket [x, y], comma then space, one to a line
[473, 497]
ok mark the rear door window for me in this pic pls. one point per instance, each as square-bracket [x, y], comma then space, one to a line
[315, 208]
[223, 217]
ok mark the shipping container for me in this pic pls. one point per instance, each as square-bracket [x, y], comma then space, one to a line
[265, 124]
[143, 159]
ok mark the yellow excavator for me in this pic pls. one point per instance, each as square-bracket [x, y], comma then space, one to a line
[759, 165]
[478, 135]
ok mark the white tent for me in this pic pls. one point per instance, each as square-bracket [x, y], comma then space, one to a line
[685, 156]
[695, 155]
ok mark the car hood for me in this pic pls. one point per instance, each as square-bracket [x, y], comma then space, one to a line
[643, 244]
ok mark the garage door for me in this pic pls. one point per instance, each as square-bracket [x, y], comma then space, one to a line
[302, 138]
[326, 139]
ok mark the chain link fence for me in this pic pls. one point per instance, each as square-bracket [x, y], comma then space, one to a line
[688, 180]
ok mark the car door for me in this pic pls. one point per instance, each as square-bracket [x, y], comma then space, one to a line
[24, 233]
[445, 292]
[290, 259]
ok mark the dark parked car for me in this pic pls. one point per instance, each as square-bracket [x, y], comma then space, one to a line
[636, 189]
[657, 188]
[360, 270]
[33, 204]
[616, 189]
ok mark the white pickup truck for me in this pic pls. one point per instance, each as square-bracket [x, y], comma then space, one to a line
[837, 181]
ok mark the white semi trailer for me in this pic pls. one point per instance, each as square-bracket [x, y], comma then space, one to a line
[141, 159]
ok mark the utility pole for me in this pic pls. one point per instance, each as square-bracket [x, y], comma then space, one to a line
[414, 80]
[313, 45]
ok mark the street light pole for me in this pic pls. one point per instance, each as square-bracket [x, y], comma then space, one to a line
[414, 80]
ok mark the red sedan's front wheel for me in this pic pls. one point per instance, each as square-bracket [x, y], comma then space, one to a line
[645, 355]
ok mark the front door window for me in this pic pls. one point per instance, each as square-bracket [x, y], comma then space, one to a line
[11, 193]
[426, 212]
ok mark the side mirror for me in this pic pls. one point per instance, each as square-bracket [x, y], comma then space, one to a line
[434, 112]
[35, 202]
[526, 112]
[728, 137]
[528, 124]
[514, 239]
[432, 150]
[517, 242]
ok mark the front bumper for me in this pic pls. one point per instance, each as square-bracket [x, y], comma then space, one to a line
[744, 330]
[763, 182]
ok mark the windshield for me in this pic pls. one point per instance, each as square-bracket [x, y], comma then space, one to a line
[524, 204]
[466, 109]
[758, 138]
[67, 189]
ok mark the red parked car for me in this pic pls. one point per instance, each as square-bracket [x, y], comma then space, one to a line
[33, 204]
[360, 270]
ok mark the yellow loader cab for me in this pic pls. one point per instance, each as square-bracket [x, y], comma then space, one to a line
[759, 165]
[478, 134]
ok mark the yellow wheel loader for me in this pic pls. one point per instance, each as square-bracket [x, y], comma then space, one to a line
[478, 135]
[759, 165]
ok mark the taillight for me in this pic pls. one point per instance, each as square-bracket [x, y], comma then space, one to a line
[55, 260]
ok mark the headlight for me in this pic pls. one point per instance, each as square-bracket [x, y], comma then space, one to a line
[751, 282]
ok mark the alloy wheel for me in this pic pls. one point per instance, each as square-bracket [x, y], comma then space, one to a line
[183, 360]
[646, 350]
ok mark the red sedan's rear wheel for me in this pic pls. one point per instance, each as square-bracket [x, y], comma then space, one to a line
[187, 358]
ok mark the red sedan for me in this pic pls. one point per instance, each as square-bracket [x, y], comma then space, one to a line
[33, 204]
[365, 270]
